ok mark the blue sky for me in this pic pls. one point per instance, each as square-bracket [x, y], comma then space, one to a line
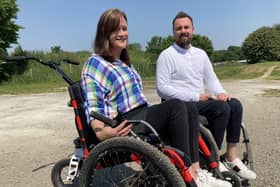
[71, 24]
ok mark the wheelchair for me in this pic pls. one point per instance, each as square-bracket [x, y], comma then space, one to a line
[214, 157]
[141, 159]
[247, 158]
[137, 160]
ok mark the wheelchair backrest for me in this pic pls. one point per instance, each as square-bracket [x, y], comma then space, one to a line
[86, 134]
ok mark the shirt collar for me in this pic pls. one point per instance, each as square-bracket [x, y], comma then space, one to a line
[182, 50]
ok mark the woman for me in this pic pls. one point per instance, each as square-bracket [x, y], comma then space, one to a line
[111, 86]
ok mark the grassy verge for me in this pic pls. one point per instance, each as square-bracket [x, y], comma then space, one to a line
[275, 74]
[231, 71]
[246, 71]
[14, 88]
[271, 92]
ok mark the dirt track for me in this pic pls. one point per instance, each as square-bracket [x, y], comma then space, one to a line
[37, 130]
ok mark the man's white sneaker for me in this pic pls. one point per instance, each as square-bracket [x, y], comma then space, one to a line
[205, 179]
[240, 169]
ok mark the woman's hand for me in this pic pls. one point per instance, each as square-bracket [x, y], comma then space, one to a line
[104, 132]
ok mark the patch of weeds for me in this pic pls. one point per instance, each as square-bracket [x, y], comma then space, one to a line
[271, 93]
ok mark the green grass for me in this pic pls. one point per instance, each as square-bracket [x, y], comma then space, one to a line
[275, 74]
[231, 71]
[42, 87]
[246, 71]
[14, 88]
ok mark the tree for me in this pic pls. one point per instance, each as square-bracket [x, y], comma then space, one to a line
[277, 27]
[166, 42]
[262, 44]
[8, 28]
[234, 53]
[3, 75]
[8, 31]
[10, 69]
[56, 49]
[204, 43]
[219, 56]
[156, 45]
[135, 46]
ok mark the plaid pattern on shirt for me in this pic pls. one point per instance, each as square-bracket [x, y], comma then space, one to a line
[110, 89]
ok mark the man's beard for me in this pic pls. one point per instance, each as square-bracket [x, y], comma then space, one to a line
[184, 43]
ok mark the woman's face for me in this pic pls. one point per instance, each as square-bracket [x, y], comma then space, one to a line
[119, 37]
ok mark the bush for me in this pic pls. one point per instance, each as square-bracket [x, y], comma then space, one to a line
[263, 44]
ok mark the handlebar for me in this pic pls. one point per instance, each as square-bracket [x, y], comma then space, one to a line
[51, 64]
[24, 59]
[14, 58]
[70, 61]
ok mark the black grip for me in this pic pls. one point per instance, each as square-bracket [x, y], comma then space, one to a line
[15, 58]
[112, 123]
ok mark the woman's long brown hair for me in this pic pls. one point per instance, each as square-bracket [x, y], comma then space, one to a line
[108, 23]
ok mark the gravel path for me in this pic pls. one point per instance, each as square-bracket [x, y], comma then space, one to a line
[37, 130]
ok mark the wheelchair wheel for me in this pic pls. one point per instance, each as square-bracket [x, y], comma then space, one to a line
[210, 141]
[232, 178]
[126, 161]
[59, 174]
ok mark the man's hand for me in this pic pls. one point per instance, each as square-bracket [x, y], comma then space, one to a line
[223, 97]
[204, 97]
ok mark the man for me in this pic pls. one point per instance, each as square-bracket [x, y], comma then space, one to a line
[181, 73]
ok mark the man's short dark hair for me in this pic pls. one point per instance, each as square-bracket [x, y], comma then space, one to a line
[182, 14]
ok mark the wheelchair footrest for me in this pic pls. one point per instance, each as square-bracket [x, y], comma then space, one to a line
[73, 167]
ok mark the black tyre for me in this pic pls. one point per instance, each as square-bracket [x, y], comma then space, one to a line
[126, 161]
[232, 178]
[59, 173]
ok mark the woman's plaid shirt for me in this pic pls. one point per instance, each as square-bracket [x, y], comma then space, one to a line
[110, 88]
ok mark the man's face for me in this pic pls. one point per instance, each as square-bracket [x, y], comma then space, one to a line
[183, 31]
